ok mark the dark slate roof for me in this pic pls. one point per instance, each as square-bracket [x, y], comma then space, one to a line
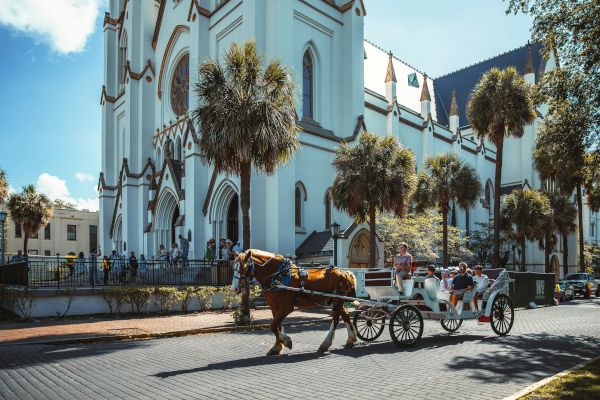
[464, 80]
[316, 243]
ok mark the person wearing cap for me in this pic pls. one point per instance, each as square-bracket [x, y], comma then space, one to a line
[446, 281]
[402, 263]
[226, 250]
[481, 283]
[461, 284]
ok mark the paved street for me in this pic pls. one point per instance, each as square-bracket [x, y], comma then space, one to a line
[472, 364]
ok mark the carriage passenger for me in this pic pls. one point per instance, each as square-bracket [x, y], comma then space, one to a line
[402, 263]
[431, 272]
[446, 281]
[461, 284]
[481, 284]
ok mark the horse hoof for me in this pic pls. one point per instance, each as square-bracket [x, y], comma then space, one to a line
[273, 352]
[288, 344]
[349, 345]
[323, 349]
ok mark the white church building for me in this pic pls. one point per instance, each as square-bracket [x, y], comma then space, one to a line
[154, 185]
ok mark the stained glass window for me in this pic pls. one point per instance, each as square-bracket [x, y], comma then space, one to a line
[307, 85]
[412, 80]
[180, 84]
[298, 206]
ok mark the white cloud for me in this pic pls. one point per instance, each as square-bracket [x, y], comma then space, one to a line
[64, 24]
[83, 177]
[56, 188]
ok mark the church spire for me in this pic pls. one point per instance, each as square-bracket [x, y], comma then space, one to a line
[390, 76]
[425, 92]
[453, 105]
[529, 63]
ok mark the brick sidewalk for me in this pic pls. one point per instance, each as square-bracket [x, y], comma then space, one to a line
[73, 329]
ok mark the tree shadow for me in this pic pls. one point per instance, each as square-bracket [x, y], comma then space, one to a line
[525, 356]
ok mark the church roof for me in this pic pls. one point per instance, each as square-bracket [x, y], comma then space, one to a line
[316, 244]
[464, 80]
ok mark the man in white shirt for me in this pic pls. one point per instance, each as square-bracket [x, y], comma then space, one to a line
[481, 284]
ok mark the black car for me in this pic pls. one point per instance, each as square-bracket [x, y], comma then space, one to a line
[579, 281]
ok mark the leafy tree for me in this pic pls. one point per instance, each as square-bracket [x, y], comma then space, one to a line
[591, 179]
[524, 213]
[561, 221]
[500, 105]
[446, 179]
[423, 233]
[31, 210]
[481, 243]
[3, 186]
[248, 117]
[377, 175]
[58, 203]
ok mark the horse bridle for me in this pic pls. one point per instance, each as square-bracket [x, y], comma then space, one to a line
[248, 277]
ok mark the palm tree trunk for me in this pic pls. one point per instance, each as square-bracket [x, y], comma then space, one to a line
[565, 239]
[580, 229]
[25, 243]
[444, 211]
[245, 174]
[547, 253]
[522, 255]
[497, 184]
[372, 238]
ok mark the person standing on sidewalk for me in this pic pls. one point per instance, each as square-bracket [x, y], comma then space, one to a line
[133, 265]
[93, 268]
[143, 269]
[185, 249]
[106, 269]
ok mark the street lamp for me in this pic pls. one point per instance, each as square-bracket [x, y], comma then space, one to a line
[335, 233]
[2, 221]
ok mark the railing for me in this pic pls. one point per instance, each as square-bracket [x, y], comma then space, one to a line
[68, 272]
[13, 274]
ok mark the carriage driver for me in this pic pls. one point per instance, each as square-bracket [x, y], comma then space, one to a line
[402, 263]
[461, 284]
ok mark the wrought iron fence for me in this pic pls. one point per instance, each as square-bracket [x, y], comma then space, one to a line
[13, 274]
[71, 272]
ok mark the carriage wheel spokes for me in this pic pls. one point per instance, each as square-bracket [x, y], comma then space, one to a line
[502, 316]
[369, 323]
[406, 325]
[451, 325]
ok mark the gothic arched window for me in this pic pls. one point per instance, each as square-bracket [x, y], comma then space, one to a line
[307, 85]
[180, 84]
[328, 209]
[298, 206]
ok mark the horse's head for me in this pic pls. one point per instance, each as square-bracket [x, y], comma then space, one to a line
[243, 271]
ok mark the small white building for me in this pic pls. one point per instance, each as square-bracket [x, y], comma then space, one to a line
[69, 231]
[154, 184]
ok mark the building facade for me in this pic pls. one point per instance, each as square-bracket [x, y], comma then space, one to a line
[154, 185]
[69, 231]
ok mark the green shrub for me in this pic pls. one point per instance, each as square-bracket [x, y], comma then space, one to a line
[229, 297]
[114, 298]
[166, 298]
[138, 297]
[205, 296]
[186, 294]
[240, 319]
[23, 301]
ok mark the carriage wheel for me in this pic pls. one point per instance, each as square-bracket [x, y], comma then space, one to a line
[502, 316]
[406, 325]
[451, 325]
[369, 324]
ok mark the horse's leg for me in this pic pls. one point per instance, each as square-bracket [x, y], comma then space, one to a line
[350, 327]
[281, 339]
[335, 319]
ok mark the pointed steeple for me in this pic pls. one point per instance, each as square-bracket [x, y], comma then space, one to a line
[453, 105]
[390, 76]
[529, 63]
[425, 91]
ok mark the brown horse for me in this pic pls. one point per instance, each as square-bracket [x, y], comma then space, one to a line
[271, 269]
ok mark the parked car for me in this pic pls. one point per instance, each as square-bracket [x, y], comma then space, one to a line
[579, 281]
[567, 292]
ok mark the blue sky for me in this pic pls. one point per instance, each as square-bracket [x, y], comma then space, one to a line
[51, 75]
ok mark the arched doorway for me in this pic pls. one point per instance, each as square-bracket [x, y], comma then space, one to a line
[233, 220]
[555, 267]
[118, 235]
[359, 250]
[166, 216]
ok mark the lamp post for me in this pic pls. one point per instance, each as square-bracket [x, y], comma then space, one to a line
[335, 233]
[2, 221]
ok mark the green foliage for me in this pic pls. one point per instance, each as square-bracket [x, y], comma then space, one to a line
[114, 298]
[229, 297]
[69, 293]
[446, 179]
[58, 203]
[166, 298]
[186, 295]
[205, 296]
[481, 243]
[240, 319]
[591, 178]
[3, 186]
[23, 300]
[524, 216]
[138, 297]
[424, 235]
[31, 210]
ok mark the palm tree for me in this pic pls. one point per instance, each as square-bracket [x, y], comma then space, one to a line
[3, 186]
[524, 215]
[446, 179]
[500, 105]
[377, 175]
[248, 120]
[561, 222]
[31, 210]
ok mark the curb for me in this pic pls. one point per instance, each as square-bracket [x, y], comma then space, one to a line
[164, 335]
[543, 382]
